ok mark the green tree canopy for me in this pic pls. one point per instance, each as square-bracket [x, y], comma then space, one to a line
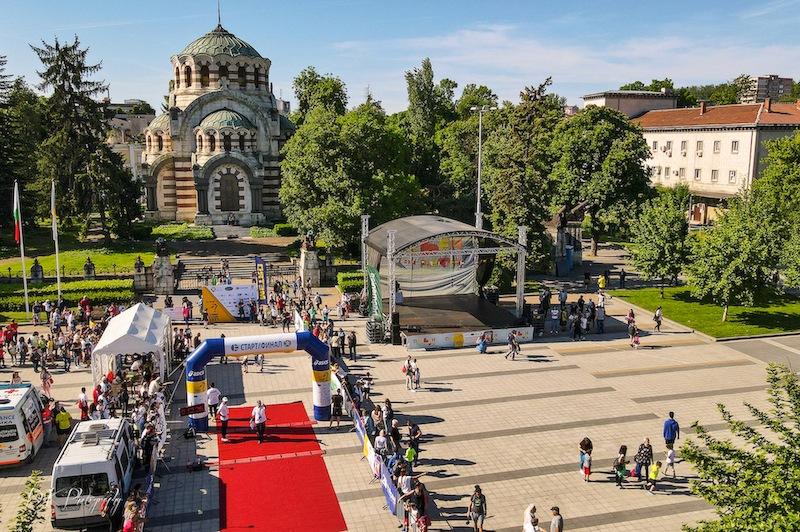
[655, 85]
[337, 168]
[314, 90]
[474, 96]
[754, 485]
[600, 159]
[735, 262]
[660, 236]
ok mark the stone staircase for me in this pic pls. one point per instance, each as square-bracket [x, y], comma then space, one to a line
[194, 272]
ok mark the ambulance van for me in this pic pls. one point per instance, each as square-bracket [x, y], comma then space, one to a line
[93, 470]
[21, 430]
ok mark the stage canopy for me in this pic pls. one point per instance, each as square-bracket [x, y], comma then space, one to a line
[138, 330]
[432, 255]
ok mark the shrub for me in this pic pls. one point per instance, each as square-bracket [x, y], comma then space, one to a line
[350, 281]
[141, 231]
[285, 230]
[261, 232]
[183, 232]
[101, 293]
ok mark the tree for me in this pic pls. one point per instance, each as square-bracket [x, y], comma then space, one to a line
[474, 96]
[74, 154]
[660, 237]
[313, 90]
[794, 95]
[731, 92]
[601, 158]
[32, 506]
[736, 261]
[655, 85]
[753, 486]
[337, 168]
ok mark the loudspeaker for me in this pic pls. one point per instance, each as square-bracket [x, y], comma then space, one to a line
[484, 270]
[395, 318]
[396, 340]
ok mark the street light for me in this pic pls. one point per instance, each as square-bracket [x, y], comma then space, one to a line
[481, 110]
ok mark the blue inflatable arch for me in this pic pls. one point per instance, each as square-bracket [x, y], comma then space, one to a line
[197, 387]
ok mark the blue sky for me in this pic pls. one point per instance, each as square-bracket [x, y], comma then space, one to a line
[585, 46]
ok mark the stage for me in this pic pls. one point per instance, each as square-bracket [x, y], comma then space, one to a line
[452, 313]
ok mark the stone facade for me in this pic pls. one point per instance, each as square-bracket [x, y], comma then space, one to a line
[215, 154]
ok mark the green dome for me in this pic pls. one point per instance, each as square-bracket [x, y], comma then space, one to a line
[160, 122]
[220, 41]
[225, 118]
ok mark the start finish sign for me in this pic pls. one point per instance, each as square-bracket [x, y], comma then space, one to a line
[253, 345]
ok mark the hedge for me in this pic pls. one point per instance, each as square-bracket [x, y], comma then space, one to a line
[285, 230]
[101, 293]
[350, 281]
[66, 288]
[261, 232]
[183, 232]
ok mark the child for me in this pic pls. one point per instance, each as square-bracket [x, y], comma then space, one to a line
[366, 385]
[636, 339]
[416, 375]
[619, 465]
[587, 465]
[652, 477]
[670, 453]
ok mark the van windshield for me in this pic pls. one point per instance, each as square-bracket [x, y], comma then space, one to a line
[75, 486]
[8, 433]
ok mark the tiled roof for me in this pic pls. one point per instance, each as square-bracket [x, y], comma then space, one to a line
[721, 115]
[220, 41]
[160, 122]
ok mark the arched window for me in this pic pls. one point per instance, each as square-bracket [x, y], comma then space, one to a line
[228, 193]
[242, 77]
[188, 72]
[257, 77]
[199, 142]
[212, 143]
[177, 78]
[226, 142]
[149, 143]
[160, 143]
[223, 72]
[204, 76]
[241, 142]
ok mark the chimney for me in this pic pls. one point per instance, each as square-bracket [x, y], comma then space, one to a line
[798, 104]
[702, 108]
[768, 105]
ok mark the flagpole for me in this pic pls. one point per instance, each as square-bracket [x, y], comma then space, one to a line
[55, 233]
[22, 250]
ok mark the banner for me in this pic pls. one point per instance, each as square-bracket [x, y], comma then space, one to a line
[261, 281]
[466, 339]
[374, 292]
[222, 301]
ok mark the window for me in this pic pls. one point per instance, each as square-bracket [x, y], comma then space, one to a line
[188, 72]
[241, 142]
[715, 175]
[199, 143]
[257, 77]
[655, 145]
[699, 145]
[666, 172]
[228, 193]
[683, 145]
[212, 143]
[669, 145]
[204, 76]
[697, 174]
[226, 142]
[160, 143]
[735, 146]
[717, 146]
[223, 72]
[149, 143]
[682, 173]
[732, 177]
[657, 170]
[9, 433]
[242, 78]
[177, 78]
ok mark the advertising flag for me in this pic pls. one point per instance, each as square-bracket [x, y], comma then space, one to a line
[261, 280]
[374, 292]
[17, 217]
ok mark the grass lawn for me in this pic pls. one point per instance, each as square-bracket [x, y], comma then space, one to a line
[104, 258]
[780, 314]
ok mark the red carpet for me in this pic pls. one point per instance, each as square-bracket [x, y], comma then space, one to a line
[276, 492]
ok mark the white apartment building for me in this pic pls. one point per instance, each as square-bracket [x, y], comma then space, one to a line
[633, 103]
[716, 150]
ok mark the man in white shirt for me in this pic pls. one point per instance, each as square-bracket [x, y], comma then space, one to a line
[223, 418]
[259, 418]
[213, 401]
[155, 385]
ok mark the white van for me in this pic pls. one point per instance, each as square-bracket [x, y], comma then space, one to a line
[21, 430]
[96, 464]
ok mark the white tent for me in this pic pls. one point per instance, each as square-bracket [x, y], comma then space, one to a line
[139, 329]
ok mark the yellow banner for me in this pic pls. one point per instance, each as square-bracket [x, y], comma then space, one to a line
[322, 376]
[216, 310]
[196, 387]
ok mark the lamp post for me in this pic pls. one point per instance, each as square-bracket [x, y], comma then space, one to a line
[481, 110]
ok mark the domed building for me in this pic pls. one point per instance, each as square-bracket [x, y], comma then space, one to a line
[215, 153]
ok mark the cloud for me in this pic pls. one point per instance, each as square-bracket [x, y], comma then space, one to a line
[768, 8]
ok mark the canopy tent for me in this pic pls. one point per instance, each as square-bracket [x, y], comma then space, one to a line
[432, 255]
[139, 329]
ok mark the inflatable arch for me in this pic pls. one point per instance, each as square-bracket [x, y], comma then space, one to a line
[196, 385]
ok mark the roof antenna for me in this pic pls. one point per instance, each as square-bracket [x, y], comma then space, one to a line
[219, 16]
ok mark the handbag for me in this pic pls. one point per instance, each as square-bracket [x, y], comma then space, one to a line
[404, 369]
[252, 425]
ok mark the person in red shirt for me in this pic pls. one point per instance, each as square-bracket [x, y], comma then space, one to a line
[96, 394]
[14, 328]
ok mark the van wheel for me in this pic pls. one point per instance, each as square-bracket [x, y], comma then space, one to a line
[29, 460]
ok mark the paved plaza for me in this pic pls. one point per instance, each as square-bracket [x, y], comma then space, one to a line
[511, 426]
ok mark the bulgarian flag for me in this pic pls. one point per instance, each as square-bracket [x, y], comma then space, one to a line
[17, 214]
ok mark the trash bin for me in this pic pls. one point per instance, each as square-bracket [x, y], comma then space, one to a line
[569, 256]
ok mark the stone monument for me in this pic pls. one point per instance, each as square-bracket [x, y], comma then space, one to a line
[163, 272]
[37, 272]
[309, 260]
[88, 270]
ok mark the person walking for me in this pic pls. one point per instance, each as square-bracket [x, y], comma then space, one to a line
[47, 381]
[670, 455]
[633, 332]
[336, 408]
[223, 418]
[672, 431]
[620, 467]
[477, 509]
[643, 458]
[213, 395]
[512, 344]
[409, 373]
[600, 319]
[351, 345]
[259, 418]
[414, 436]
[83, 404]
[417, 375]
[557, 524]
[657, 317]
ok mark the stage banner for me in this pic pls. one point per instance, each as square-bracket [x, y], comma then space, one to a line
[375, 300]
[465, 339]
[261, 281]
[215, 309]
[229, 295]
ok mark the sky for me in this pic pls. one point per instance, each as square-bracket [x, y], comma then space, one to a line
[584, 46]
